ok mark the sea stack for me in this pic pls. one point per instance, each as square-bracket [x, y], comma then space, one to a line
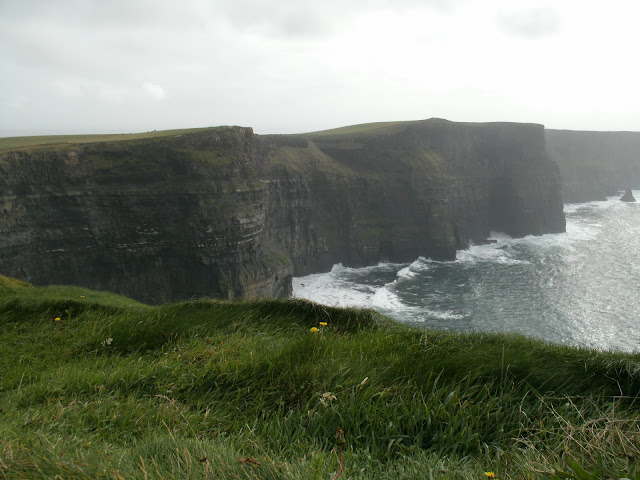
[628, 196]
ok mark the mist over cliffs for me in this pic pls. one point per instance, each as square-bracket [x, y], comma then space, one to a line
[225, 213]
[595, 165]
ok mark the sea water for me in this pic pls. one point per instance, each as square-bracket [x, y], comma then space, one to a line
[580, 288]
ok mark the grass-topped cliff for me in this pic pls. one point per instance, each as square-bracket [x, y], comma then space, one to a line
[222, 212]
[93, 385]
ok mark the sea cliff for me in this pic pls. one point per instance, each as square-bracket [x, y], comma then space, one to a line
[595, 165]
[225, 213]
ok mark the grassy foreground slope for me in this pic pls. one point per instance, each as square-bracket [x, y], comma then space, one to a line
[215, 390]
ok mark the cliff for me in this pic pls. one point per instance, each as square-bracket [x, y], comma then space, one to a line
[158, 219]
[595, 165]
[225, 213]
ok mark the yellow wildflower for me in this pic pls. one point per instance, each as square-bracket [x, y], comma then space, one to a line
[313, 329]
[490, 474]
[57, 319]
[324, 324]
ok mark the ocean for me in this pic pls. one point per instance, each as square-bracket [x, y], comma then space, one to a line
[579, 288]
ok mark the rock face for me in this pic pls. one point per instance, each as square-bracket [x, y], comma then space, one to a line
[156, 219]
[628, 196]
[595, 165]
[229, 214]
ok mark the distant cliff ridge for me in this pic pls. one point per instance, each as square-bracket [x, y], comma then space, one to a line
[225, 213]
[595, 165]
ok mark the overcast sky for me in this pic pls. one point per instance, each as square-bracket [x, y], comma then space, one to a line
[288, 66]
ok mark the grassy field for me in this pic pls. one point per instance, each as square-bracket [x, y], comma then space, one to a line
[52, 141]
[93, 385]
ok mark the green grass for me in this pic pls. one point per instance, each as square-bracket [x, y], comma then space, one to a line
[52, 141]
[308, 159]
[364, 128]
[116, 389]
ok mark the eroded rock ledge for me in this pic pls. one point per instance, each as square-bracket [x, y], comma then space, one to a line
[226, 213]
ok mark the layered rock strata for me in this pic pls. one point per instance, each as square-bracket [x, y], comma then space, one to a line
[228, 214]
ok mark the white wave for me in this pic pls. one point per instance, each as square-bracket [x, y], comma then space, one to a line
[511, 261]
[445, 315]
[335, 288]
[338, 268]
[324, 288]
[492, 252]
[416, 268]
[406, 272]
[429, 314]
[505, 249]
[611, 203]
[500, 237]
[573, 208]
[576, 231]
[386, 299]
[422, 264]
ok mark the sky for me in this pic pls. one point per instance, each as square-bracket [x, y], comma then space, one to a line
[290, 66]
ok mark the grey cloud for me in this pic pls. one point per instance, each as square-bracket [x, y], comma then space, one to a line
[103, 14]
[98, 38]
[309, 18]
[286, 19]
[534, 22]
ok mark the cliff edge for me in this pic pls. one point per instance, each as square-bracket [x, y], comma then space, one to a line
[225, 213]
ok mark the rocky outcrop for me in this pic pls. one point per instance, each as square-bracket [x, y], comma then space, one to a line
[595, 165]
[229, 214]
[628, 196]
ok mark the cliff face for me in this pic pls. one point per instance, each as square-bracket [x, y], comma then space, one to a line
[158, 219]
[229, 214]
[595, 165]
[422, 188]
